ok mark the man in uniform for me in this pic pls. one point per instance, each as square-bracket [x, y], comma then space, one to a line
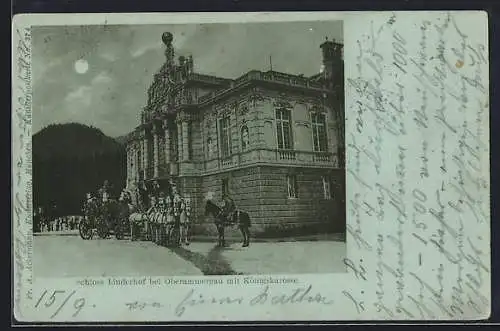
[156, 189]
[228, 207]
[104, 190]
[151, 217]
[177, 203]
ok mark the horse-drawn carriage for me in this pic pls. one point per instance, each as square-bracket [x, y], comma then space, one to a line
[106, 217]
[166, 222]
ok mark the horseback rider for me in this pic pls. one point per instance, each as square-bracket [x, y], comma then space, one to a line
[228, 207]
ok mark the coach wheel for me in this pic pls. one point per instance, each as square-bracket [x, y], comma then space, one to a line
[85, 230]
[102, 229]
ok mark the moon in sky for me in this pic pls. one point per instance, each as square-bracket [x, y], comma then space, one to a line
[81, 66]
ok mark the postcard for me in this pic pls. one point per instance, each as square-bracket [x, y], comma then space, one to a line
[312, 166]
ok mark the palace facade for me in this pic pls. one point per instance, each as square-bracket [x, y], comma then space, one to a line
[273, 141]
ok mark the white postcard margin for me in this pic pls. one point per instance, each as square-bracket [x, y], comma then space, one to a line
[417, 138]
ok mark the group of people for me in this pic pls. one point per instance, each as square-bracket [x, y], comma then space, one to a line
[154, 212]
[60, 224]
[47, 222]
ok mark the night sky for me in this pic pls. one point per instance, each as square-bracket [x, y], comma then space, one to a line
[99, 75]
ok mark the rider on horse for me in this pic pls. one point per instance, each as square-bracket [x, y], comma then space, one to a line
[228, 208]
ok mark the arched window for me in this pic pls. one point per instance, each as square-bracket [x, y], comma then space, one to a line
[209, 148]
[245, 139]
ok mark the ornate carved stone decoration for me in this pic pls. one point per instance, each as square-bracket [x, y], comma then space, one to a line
[317, 107]
[165, 124]
[217, 109]
[224, 111]
[243, 108]
[234, 107]
[305, 100]
[208, 121]
[283, 101]
[183, 117]
[163, 93]
[255, 97]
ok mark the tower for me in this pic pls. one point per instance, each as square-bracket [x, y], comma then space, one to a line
[333, 64]
[333, 78]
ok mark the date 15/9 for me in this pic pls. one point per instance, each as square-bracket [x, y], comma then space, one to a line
[57, 300]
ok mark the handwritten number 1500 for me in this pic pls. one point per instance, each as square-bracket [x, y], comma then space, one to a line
[62, 298]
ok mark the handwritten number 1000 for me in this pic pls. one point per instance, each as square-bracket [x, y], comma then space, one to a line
[57, 296]
[399, 52]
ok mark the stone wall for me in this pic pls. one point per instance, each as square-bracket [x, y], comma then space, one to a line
[310, 211]
[262, 192]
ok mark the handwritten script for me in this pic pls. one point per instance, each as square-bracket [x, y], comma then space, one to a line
[417, 97]
[196, 299]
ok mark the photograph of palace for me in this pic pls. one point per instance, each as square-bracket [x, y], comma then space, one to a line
[273, 141]
[189, 149]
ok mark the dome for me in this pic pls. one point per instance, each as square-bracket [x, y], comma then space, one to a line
[167, 38]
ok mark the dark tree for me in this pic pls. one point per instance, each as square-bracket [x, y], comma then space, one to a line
[70, 160]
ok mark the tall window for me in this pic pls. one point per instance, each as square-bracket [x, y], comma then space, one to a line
[245, 141]
[225, 137]
[319, 132]
[284, 129]
[225, 186]
[327, 187]
[292, 186]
